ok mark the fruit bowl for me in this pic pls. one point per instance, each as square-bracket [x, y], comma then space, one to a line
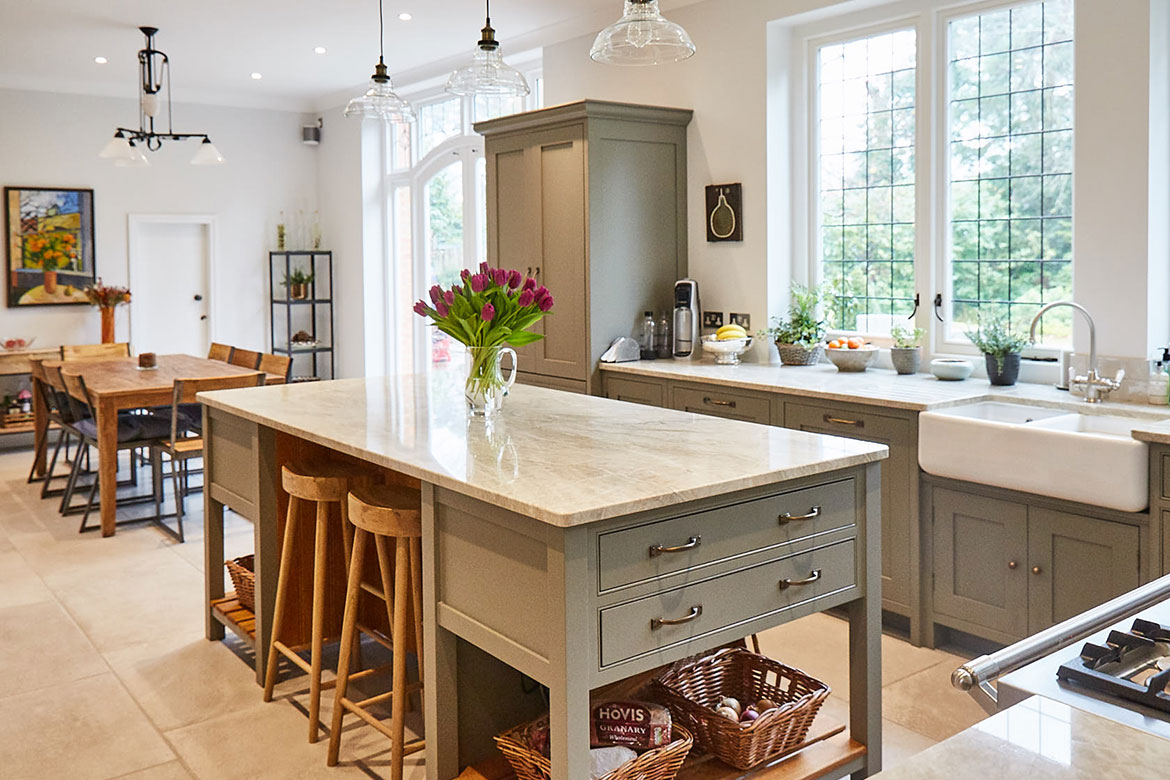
[14, 345]
[852, 359]
[727, 351]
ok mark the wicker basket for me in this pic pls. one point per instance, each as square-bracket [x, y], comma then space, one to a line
[243, 574]
[658, 764]
[796, 355]
[692, 689]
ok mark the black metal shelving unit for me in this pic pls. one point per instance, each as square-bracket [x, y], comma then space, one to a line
[314, 314]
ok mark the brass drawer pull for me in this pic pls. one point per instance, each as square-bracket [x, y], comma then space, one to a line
[696, 610]
[842, 421]
[788, 517]
[809, 580]
[716, 402]
[691, 544]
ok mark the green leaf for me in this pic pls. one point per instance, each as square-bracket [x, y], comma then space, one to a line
[521, 337]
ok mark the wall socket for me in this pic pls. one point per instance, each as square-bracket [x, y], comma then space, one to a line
[712, 319]
[742, 320]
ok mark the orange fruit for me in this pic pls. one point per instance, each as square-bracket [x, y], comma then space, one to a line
[834, 344]
[856, 343]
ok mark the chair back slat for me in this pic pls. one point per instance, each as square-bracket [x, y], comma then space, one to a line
[245, 358]
[220, 352]
[82, 351]
[80, 403]
[185, 391]
[278, 365]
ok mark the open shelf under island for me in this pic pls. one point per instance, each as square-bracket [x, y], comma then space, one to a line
[536, 528]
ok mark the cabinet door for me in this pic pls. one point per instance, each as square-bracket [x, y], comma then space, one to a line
[980, 568]
[898, 483]
[1075, 563]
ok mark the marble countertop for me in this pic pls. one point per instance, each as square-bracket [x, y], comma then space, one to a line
[1041, 739]
[562, 458]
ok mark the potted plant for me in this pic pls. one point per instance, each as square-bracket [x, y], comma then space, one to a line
[107, 298]
[298, 284]
[1001, 349]
[799, 339]
[906, 354]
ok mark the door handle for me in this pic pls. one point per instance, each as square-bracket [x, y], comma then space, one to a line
[696, 610]
[788, 517]
[717, 402]
[691, 544]
[809, 580]
[198, 297]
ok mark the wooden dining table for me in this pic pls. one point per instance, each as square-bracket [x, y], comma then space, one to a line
[117, 384]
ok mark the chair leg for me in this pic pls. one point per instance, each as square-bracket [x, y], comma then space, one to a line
[178, 498]
[319, 564]
[71, 483]
[40, 451]
[93, 489]
[348, 634]
[156, 486]
[61, 437]
[282, 584]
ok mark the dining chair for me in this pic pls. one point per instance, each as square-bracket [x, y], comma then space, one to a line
[220, 352]
[244, 358]
[277, 365]
[182, 442]
[81, 351]
[60, 418]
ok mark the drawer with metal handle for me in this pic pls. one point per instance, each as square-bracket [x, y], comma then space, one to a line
[691, 612]
[736, 404]
[631, 555]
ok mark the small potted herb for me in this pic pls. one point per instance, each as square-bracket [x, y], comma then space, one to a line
[298, 284]
[906, 354]
[1001, 349]
[799, 339]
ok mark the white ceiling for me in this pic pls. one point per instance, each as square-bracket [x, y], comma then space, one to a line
[215, 45]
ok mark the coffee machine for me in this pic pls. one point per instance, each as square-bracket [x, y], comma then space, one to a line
[687, 318]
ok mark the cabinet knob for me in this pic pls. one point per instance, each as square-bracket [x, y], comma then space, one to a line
[1013, 565]
[1036, 570]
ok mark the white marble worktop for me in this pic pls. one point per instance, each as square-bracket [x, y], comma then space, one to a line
[562, 458]
[1041, 739]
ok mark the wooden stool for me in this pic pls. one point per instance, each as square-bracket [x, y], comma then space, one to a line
[388, 513]
[321, 485]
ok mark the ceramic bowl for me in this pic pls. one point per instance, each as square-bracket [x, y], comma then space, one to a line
[14, 345]
[951, 369]
[852, 359]
[726, 352]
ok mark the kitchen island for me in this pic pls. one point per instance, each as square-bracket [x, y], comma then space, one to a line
[536, 528]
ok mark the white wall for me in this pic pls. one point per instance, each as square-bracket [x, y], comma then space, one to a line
[53, 140]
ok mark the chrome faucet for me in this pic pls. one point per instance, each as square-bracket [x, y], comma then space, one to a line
[1096, 386]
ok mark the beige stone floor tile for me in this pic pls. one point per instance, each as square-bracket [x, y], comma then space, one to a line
[235, 544]
[19, 584]
[41, 647]
[172, 770]
[898, 742]
[925, 702]
[85, 730]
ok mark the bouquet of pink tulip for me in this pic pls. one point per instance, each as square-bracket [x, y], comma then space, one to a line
[489, 309]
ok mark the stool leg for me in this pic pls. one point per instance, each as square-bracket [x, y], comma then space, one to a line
[416, 591]
[348, 632]
[398, 702]
[319, 563]
[347, 532]
[282, 581]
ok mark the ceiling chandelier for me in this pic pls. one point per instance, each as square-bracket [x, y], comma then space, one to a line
[488, 74]
[380, 101]
[642, 37]
[126, 147]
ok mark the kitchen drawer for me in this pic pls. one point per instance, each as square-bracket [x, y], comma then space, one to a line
[638, 391]
[734, 404]
[841, 422]
[632, 629]
[625, 556]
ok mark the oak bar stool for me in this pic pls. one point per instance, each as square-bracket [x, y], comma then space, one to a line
[388, 513]
[322, 485]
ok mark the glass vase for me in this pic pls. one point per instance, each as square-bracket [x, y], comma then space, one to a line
[486, 386]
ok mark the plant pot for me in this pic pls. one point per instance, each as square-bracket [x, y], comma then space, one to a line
[796, 355]
[906, 360]
[298, 292]
[1003, 373]
[107, 324]
[51, 282]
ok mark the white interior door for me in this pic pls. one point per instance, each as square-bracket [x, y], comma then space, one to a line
[170, 268]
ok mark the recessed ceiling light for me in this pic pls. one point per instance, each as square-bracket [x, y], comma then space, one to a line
[405, 17]
[257, 76]
[319, 50]
[100, 60]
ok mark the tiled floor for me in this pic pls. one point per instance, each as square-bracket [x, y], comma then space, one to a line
[104, 672]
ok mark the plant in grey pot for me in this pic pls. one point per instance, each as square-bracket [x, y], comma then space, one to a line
[799, 339]
[1001, 349]
[906, 354]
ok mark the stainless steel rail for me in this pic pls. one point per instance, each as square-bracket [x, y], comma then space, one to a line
[976, 677]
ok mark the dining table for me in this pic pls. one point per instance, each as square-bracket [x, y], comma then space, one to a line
[118, 384]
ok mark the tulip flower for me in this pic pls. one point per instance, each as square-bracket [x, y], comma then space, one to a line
[449, 297]
[545, 303]
[441, 308]
[526, 298]
[436, 293]
[540, 292]
[514, 279]
[464, 274]
[478, 282]
[529, 284]
[499, 276]
[487, 313]
[483, 267]
[420, 308]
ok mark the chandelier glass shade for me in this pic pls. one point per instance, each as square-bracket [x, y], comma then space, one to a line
[487, 73]
[642, 37]
[380, 101]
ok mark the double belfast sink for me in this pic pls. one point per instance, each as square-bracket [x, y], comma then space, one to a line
[1092, 459]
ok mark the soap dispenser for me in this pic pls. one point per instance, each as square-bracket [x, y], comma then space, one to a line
[1158, 389]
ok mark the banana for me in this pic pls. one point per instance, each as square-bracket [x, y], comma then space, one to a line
[731, 331]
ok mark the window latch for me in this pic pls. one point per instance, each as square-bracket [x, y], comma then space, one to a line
[937, 306]
[917, 301]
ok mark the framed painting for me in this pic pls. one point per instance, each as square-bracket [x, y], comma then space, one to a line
[49, 237]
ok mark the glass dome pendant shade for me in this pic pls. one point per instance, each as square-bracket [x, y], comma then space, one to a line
[488, 74]
[642, 37]
[380, 101]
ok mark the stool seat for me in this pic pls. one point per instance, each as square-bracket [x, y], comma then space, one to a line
[326, 482]
[387, 510]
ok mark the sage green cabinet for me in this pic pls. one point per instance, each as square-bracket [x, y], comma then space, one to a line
[1006, 569]
[589, 197]
[637, 391]
[721, 402]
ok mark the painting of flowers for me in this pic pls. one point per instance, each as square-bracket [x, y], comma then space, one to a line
[49, 236]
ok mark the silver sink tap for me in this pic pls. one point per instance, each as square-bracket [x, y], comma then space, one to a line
[1096, 386]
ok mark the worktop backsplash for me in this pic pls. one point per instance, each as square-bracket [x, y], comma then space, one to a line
[1137, 375]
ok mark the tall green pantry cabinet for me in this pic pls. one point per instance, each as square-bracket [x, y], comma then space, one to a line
[591, 198]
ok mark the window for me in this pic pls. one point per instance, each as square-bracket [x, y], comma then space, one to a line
[1003, 113]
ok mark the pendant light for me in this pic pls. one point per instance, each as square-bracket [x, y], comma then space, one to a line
[380, 101]
[642, 37]
[488, 74]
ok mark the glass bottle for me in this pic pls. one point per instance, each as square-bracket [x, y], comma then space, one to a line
[662, 341]
[646, 336]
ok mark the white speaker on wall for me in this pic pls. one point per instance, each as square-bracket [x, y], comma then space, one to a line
[311, 134]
